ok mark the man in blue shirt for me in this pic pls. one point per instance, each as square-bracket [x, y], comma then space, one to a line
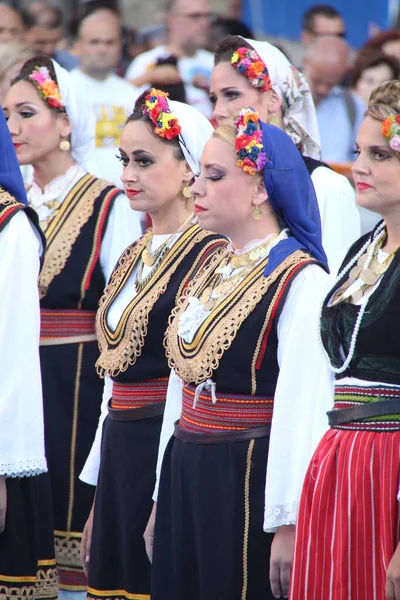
[339, 112]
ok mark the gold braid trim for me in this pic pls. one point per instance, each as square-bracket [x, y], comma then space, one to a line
[120, 349]
[66, 226]
[196, 362]
[43, 586]
[6, 200]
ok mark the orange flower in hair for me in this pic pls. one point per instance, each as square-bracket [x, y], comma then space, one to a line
[157, 109]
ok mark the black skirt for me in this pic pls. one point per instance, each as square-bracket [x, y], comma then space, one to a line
[72, 393]
[27, 562]
[209, 539]
[118, 559]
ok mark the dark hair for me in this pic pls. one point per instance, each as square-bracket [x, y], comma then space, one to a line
[227, 47]
[372, 58]
[48, 16]
[227, 26]
[175, 91]
[27, 68]
[319, 10]
[382, 38]
[138, 115]
[88, 9]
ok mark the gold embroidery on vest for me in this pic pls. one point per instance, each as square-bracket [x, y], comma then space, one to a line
[196, 362]
[63, 231]
[128, 339]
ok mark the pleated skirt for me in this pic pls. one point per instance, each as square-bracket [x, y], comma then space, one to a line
[209, 539]
[118, 559]
[348, 522]
[72, 393]
[27, 562]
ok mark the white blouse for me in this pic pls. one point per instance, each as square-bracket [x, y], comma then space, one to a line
[304, 393]
[123, 226]
[21, 408]
[90, 471]
[340, 219]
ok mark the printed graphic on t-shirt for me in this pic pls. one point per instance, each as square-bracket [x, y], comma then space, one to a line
[110, 121]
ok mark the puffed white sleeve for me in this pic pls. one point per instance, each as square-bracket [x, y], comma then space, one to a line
[21, 405]
[173, 409]
[304, 393]
[124, 227]
[340, 218]
[90, 471]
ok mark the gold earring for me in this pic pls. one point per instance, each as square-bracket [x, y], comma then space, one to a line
[256, 213]
[65, 145]
[186, 192]
[273, 120]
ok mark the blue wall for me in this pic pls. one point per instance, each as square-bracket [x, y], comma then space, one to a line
[283, 17]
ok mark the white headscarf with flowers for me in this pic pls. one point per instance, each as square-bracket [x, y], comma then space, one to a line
[299, 115]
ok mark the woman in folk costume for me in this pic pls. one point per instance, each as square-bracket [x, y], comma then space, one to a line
[244, 343]
[348, 531]
[87, 223]
[160, 150]
[252, 73]
[27, 562]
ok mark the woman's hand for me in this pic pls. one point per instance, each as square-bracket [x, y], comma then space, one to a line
[393, 577]
[3, 503]
[149, 533]
[86, 542]
[281, 561]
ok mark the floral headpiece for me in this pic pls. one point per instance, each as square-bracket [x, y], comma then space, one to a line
[391, 131]
[249, 144]
[249, 63]
[156, 108]
[47, 87]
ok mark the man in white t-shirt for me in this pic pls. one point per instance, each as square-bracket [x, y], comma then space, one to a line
[188, 25]
[99, 47]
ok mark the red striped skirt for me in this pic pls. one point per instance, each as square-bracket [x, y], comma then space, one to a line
[348, 522]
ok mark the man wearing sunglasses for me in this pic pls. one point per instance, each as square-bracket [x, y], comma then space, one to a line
[188, 29]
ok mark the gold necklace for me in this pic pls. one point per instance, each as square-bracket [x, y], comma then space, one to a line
[223, 284]
[369, 276]
[154, 259]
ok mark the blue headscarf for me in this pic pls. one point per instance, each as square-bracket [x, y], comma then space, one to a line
[10, 173]
[292, 196]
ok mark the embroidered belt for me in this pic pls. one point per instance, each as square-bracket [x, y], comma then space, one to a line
[67, 326]
[141, 394]
[210, 412]
[366, 408]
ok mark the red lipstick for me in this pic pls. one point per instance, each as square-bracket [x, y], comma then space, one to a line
[132, 193]
[16, 145]
[199, 209]
[361, 186]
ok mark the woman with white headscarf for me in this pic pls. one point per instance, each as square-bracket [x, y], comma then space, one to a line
[252, 73]
[87, 223]
[160, 150]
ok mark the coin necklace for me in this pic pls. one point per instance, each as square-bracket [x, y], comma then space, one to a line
[369, 275]
[153, 259]
[223, 284]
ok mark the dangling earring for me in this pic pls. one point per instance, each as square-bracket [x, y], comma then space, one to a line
[186, 192]
[273, 120]
[256, 213]
[65, 145]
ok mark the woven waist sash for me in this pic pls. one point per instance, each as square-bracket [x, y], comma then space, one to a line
[366, 408]
[66, 326]
[128, 396]
[206, 412]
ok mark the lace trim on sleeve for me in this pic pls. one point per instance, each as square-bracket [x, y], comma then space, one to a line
[23, 468]
[283, 514]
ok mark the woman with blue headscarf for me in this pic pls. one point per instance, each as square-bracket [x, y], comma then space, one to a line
[249, 383]
[27, 562]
